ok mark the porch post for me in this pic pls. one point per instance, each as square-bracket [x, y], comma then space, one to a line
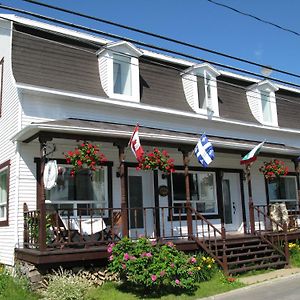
[297, 170]
[41, 205]
[185, 155]
[251, 206]
[124, 206]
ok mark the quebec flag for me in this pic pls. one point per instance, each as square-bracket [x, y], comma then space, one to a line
[204, 151]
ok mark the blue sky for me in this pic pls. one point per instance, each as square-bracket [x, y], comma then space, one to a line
[199, 22]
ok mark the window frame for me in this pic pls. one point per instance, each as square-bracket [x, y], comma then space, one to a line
[215, 214]
[1, 83]
[289, 175]
[3, 167]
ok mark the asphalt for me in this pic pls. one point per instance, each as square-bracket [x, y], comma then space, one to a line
[281, 284]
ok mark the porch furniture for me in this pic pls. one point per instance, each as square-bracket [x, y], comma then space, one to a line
[85, 225]
[62, 234]
[115, 229]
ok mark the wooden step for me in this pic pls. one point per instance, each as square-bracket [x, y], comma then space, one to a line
[256, 267]
[250, 253]
[244, 249]
[253, 260]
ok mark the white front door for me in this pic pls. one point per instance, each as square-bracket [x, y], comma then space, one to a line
[232, 204]
[141, 203]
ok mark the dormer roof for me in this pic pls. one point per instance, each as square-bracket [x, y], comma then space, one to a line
[264, 84]
[120, 45]
[205, 66]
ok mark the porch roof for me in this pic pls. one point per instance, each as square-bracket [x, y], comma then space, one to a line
[120, 133]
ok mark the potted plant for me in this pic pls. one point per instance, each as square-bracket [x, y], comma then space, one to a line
[273, 169]
[157, 160]
[85, 156]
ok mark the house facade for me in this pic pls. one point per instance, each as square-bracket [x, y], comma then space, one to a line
[60, 88]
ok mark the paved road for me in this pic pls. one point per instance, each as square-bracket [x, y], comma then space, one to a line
[278, 289]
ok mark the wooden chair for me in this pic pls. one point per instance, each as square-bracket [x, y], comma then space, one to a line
[61, 234]
[114, 231]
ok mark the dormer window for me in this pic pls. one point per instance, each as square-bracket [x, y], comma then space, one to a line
[119, 71]
[122, 75]
[200, 87]
[262, 102]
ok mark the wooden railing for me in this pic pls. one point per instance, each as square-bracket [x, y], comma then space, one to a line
[271, 231]
[210, 238]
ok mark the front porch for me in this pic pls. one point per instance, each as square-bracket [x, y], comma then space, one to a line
[68, 240]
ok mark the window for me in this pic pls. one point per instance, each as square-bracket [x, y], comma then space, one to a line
[202, 192]
[266, 106]
[200, 88]
[119, 71]
[78, 194]
[122, 75]
[4, 188]
[262, 102]
[1, 83]
[284, 190]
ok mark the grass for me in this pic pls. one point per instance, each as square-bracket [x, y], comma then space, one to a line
[295, 259]
[112, 291]
[255, 272]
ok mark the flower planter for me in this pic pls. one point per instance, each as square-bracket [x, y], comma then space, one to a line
[274, 169]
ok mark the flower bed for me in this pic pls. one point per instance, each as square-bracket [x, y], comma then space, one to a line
[273, 169]
[157, 159]
[153, 266]
[85, 156]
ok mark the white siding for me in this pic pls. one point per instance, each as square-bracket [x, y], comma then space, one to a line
[190, 89]
[9, 125]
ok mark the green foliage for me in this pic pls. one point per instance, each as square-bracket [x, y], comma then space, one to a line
[294, 254]
[153, 266]
[64, 285]
[16, 288]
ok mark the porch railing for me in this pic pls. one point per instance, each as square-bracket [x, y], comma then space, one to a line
[210, 238]
[271, 231]
[84, 227]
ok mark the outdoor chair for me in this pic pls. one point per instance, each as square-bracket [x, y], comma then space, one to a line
[113, 232]
[61, 234]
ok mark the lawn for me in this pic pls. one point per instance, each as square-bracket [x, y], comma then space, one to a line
[216, 285]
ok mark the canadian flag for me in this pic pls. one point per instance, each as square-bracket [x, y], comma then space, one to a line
[135, 144]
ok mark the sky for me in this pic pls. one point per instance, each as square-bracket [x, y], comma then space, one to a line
[198, 22]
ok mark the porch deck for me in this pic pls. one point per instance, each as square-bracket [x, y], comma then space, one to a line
[67, 241]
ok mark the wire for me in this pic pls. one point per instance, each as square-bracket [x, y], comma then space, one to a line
[143, 44]
[180, 70]
[160, 36]
[253, 17]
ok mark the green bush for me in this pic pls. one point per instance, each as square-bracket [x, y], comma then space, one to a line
[64, 285]
[294, 254]
[153, 266]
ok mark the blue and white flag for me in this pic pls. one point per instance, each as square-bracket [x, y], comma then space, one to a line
[204, 151]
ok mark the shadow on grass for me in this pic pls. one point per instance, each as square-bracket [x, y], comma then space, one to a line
[143, 292]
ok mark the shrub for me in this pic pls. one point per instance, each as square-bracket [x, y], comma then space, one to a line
[295, 254]
[64, 285]
[5, 279]
[153, 266]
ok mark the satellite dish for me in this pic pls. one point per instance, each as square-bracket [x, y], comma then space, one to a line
[50, 174]
[266, 70]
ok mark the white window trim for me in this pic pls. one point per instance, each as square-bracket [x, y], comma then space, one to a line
[106, 61]
[5, 204]
[197, 201]
[254, 93]
[190, 83]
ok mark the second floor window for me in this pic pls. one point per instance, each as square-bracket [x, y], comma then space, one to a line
[266, 106]
[204, 90]
[122, 75]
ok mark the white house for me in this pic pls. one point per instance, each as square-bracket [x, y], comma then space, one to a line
[61, 87]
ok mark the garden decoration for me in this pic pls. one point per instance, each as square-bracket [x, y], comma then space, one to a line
[85, 156]
[157, 160]
[273, 169]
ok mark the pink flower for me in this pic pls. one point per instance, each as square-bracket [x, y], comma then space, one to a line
[111, 258]
[109, 249]
[126, 256]
[172, 265]
[170, 244]
[148, 254]
[193, 260]
[153, 243]
[177, 281]
[162, 273]
[132, 258]
[123, 266]
[153, 277]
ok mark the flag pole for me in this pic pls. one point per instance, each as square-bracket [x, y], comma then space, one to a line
[250, 201]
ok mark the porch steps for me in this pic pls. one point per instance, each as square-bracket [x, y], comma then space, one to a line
[245, 253]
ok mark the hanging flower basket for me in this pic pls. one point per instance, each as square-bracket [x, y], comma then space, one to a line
[85, 156]
[157, 159]
[273, 169]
